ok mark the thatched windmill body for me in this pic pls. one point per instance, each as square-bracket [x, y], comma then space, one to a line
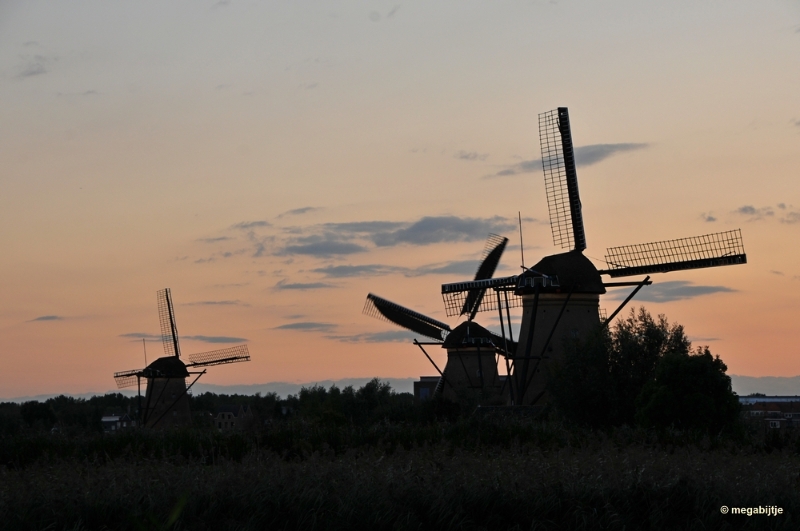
[560, 294]
[166, 403]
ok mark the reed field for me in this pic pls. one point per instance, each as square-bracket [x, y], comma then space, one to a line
[457, 472]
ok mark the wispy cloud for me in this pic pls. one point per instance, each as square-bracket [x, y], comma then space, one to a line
[34, 65]
[439, 229]
[669, 291]
[142, 335]
[779, 273]
[391, 336]
[214, 240]
[708, 217]
[782, 212]
[584, 156]
[215, 339]
[216, 303]
[299, 211]
[284, 285]
[246, 225]
[367, 270]
[791, 218]
[471, 155]
[754, 214]
[47, 318]
[307, 326]
[324, 248]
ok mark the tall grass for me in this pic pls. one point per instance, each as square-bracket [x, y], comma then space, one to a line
[478, 473]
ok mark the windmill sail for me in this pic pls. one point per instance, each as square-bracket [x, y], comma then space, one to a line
[166, 317]
[126, 378]
[381, 308]
[697, 252]
[457, 295]
[495, 246]
[561, 180]
[235, 354]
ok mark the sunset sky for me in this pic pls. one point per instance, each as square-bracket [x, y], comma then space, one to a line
[272, 162]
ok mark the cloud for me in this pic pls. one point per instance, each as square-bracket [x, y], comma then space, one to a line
[141, 335]
[216, 303]
[367, 270]
[708, 218]
[584, 156]
[791, 218]
[307, 326]
[391, 336]
[246, 225]
[299, 211]
[440, 229]
[324, 248]
[216, 339]
[470, 155]
[35, 65]
[283, 285]
[214, 240]
[391, 13]
[702, 339]
[779, 273]
[47, 318]
[753, 213]
[364, 227]
[669, 291]
[458, 267]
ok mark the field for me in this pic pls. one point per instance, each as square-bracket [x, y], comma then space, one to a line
[406, 468]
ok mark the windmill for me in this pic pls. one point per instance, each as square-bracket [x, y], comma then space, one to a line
[166, 400]
[560, 294]
[471, 369]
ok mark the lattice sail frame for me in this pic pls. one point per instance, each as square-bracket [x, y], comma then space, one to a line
[708, 250]
[166, 318]
[126, 378]
[561, 180]
[406, 318]
[492, 252]
[236, 354]
[455, 295]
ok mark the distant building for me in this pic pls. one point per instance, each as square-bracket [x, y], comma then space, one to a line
[114, 423]
[425, 387]
[233, 418]
[773, 412]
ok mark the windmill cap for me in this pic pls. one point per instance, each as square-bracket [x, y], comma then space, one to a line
[469, 335]
[575, 273]
[166, 367]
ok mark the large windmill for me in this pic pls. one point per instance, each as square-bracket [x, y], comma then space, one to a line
[471, 370]
[166, 401]
[560, 294]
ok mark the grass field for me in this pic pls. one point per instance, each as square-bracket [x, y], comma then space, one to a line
[468, 473]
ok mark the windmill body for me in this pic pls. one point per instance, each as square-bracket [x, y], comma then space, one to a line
[470, 375]
[166, 401]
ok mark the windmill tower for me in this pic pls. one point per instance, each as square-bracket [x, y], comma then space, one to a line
[166, 401]
[470, 374]
[560, 294]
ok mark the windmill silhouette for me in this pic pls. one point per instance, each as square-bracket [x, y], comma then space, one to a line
[560, 294]
[471, 370]
[166, 400]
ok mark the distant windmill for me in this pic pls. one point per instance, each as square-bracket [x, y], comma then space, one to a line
[166, 400]
[560, 294]
[471, 367]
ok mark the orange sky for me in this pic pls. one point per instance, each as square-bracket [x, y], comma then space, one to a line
[249, 155]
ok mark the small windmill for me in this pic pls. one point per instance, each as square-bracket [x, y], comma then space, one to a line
[166, 400]
[560, 294]
[471, 367]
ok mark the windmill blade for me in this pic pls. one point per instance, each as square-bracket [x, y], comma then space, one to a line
[697, 252]
[166, 317]
[127, 378]
[457, 295]
[492, 252]
[381, 308]
[235, 354]
[561, 180]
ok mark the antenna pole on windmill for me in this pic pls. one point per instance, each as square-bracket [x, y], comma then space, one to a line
[144, 346]
[521, 252]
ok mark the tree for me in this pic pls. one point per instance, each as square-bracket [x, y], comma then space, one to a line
[689, 391]
[600, 377]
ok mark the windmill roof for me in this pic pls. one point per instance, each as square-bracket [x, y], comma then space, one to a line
[469, 334]
[166, 367]
[575, 273]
